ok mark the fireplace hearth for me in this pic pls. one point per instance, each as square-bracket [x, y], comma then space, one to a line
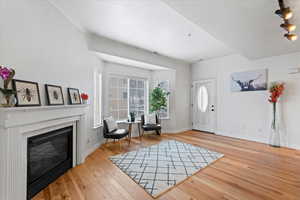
[49, 156]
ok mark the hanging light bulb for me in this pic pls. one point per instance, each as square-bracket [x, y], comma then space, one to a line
[287, 13]
[291, 36]
[284, 13]
[288, 27]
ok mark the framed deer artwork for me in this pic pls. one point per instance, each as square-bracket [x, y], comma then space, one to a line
[254, 80]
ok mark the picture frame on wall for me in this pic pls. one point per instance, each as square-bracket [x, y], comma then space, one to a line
[74, 96]
[27, 93]
[54, 95]
[247, 81]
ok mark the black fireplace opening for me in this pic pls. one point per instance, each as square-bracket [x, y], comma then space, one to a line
[48, 157]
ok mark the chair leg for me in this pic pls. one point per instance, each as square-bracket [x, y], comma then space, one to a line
[106, 140]
[143, 131]
[119, 144]
[139, 129]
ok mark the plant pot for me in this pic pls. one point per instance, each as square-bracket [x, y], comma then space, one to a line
[85, 101]
[132, 119]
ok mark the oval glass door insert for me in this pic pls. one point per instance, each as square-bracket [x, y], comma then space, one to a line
[202, 99]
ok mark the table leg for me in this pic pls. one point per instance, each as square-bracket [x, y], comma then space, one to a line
[129, 132]
[139, 127]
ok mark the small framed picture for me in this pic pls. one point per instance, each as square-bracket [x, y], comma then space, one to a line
[74, 96]
[54, 95]
[27, 93]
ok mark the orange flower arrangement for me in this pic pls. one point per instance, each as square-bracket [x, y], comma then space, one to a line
[276, 91]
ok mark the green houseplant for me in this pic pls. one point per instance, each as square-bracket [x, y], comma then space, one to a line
[158, 100]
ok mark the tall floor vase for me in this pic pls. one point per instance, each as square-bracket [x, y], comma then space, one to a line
[277, 130]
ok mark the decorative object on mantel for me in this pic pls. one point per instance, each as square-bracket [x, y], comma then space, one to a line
[85, 98]
[7, 75]
[74, 96]
[276, 134]
[158, 100]
[54, 95]
[27, 93]
[286, 14]
[254, 80]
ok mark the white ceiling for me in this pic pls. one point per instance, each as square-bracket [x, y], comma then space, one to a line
[148, 24]
[130, 62]
[248, 26]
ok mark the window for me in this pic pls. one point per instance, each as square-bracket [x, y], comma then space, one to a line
[137, 94]
[202, 99]
[118, 97]
[126, 95]
[97, 99]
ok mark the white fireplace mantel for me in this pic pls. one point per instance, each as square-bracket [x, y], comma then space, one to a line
[18, 124]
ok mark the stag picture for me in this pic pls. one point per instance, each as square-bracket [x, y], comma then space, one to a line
[249, 81]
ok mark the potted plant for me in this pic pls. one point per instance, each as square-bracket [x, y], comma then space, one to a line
[158, 100]
[85, 98]
[8, 94]
[276, 90]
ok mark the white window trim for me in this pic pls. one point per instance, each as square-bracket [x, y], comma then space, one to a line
[146, 111]
[98, 83]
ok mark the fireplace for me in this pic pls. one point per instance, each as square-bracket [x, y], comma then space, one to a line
[49, 156]
[20, 126]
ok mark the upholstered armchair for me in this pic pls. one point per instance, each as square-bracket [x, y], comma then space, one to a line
[154, 126]
[112, 131]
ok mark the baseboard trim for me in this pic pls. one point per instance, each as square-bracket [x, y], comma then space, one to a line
[221, 133]
[93, 148]
[294, 146]
[177, 131]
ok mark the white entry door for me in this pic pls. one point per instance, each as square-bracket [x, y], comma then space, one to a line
[204, 108]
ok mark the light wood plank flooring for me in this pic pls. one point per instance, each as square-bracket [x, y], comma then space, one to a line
[249, 171]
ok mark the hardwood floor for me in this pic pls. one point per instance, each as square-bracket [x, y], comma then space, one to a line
[248, 171]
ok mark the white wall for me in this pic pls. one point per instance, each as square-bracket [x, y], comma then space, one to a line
[247, 115]
[43, 46]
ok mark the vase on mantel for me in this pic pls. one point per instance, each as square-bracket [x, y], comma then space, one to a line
[7, 94]
[8, 101]
[85, 101]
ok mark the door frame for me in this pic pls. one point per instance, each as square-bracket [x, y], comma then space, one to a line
[213, 80]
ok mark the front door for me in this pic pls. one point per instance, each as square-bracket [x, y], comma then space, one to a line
[204, 109]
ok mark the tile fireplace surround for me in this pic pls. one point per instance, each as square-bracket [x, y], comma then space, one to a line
[18, 124]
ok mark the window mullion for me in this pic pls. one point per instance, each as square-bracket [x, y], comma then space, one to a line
[128, 96]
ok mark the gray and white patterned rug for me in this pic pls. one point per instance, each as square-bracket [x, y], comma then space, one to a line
[159, 167]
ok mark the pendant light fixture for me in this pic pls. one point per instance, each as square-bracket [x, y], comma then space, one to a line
[286, 14]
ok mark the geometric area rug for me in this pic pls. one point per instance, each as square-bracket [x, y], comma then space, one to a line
[160, 167]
